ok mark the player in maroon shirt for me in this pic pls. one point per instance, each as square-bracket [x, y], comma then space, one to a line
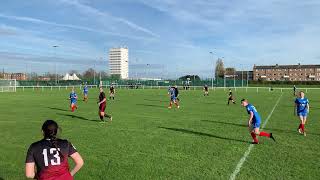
[50, 156]
[102, 105]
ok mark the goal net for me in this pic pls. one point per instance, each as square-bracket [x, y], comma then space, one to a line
[8, 85]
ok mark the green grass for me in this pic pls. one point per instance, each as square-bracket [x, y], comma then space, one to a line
[204, 139]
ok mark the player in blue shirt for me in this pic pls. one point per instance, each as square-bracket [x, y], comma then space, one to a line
[73, 100]
[85, 93]
[302, 110]
[254, 122]
[173, 98]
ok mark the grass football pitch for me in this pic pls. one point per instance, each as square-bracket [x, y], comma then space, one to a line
[204, 139]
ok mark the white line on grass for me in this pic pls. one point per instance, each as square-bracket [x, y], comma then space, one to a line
[246, 154]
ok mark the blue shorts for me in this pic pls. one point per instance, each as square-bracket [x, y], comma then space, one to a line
[173, 98]
[303, 114]
[86, 94]
[256, 124]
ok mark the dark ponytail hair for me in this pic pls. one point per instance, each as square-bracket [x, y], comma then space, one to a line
[50, 130]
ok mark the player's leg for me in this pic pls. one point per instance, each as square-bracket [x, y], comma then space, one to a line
[176, 103]
[100, 112]
[253, 135]
[301, 126]
[304, 120]
[263, 133]
[72, 107]
[107, 115]
[170, 105]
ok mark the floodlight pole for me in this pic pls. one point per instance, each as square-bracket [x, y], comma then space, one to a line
[54, 48]
[94, 73]
[213, 71]
[241, 75]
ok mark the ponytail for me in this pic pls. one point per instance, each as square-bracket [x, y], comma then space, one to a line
[50, 130]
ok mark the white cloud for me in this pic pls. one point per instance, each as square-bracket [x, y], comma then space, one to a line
[104, 15]
[70, 26]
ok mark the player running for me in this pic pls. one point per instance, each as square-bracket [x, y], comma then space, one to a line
[112, 92]
[254, 122]
[73, 100]
[205, 90]
[294, 90]
[85, 93]
[173, 98]
[102, 105]
[50, 156]
[231, 98]
[302, 110]
[176, 92]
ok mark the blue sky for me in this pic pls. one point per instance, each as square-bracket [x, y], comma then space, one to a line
[173, 36]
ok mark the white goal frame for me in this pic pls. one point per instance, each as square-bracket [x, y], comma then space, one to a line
[10, 87]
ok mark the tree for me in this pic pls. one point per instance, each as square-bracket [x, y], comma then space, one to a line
[103, 74]
[89, 74]
[191, 78]
[219, 71]
[33, 76]
[115, 77]
[73, 72]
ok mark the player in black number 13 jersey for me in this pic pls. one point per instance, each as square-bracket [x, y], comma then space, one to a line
[50, 156]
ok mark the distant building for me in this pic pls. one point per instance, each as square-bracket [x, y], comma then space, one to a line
[239, 75]
[17, 76]
[287, 72]
[119, 62]
[246, 75]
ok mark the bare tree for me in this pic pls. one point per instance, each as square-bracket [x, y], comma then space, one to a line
[219, 71]
[89, 73]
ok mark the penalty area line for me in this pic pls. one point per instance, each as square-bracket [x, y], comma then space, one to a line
[246, 154]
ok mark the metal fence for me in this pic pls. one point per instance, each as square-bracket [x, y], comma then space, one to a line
[142, 87]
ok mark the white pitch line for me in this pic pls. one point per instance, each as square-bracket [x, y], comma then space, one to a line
[246, 154]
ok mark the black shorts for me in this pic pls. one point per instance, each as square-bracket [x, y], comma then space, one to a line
[230, 98]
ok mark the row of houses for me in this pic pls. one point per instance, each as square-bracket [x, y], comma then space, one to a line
[17, 76]
[278, 72]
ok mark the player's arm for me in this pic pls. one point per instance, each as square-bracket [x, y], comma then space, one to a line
[30, 172]
[250, 118]
[78, 161]
[104, 100]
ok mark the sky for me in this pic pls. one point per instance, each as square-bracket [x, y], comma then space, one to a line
[173, 36]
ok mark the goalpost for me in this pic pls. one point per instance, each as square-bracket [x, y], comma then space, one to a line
[8, 85]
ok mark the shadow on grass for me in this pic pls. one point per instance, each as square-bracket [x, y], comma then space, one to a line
[203, 134]
[225, 123]
[150, 105]
[59, 109]
[1, 178]
[78, 117]
[153, 100]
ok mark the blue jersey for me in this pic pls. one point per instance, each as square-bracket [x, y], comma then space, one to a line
[172, 92]
[85, 90]
[256, 117]
[73, 98]
[302, 105]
